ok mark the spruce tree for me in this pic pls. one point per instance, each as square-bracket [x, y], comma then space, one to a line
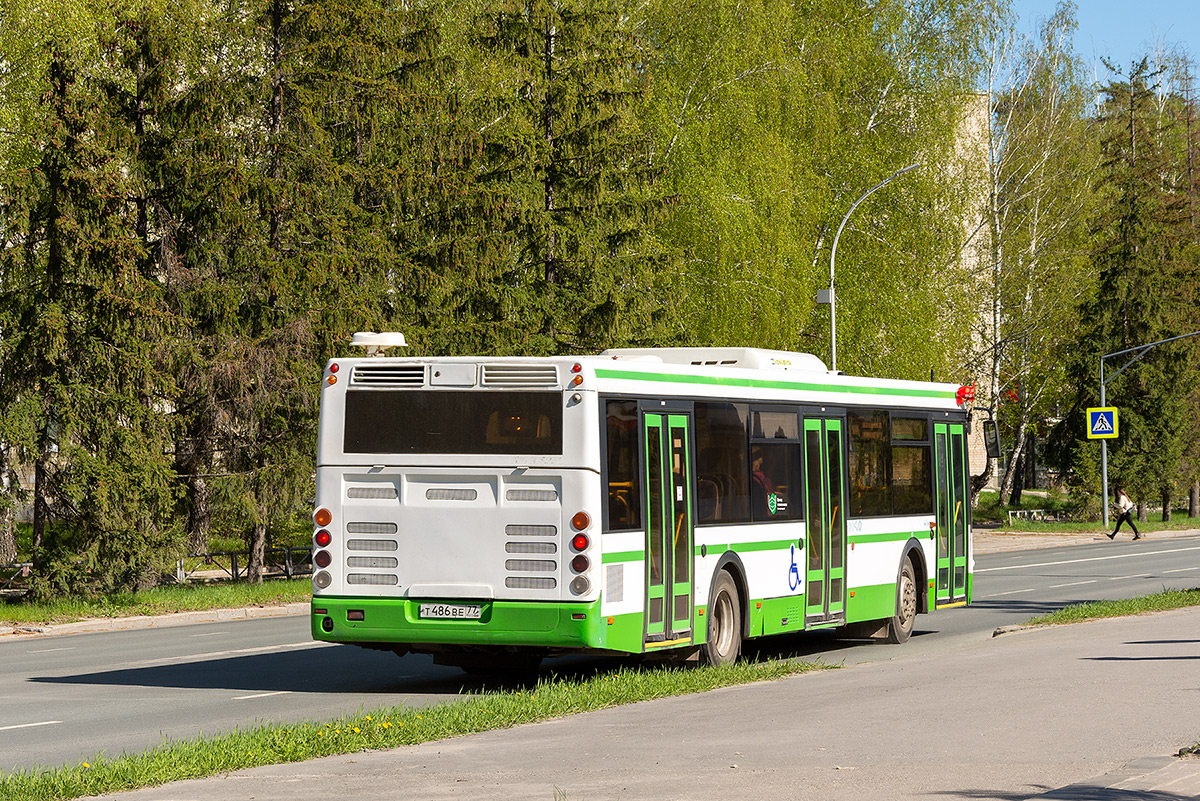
[80, 324]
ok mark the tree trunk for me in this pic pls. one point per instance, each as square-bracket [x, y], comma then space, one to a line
[41, 503]
[258, 553]
[1194, 500]
[1018, 484]
[1010, 473]
[8, 532]
[1143, 510]
[980, 481]
[1166, 504]
[199, 520]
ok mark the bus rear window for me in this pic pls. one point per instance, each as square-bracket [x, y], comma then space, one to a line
[415, 421]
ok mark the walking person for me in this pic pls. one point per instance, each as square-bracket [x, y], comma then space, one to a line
[1124, 514]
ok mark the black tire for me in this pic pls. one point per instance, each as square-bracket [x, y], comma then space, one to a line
[723, 643]
[900, 628]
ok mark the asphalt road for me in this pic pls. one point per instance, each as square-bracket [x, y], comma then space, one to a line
[65, 699]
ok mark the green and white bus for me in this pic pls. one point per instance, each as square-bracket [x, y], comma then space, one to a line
[678, 501]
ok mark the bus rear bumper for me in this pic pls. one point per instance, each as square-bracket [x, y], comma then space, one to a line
[501, 623]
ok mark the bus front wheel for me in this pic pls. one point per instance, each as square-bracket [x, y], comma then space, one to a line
[724, 639]
[901, 626]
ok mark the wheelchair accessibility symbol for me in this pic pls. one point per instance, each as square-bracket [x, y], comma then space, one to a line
[794, 572]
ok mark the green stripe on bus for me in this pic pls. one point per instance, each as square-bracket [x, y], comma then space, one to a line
[748, 547]
[624, 556]
[761, 383]
[745, 547]
[894, 536]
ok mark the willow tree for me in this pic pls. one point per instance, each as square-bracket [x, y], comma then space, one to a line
[771, 120]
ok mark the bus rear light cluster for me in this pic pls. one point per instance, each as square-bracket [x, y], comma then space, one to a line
[580, 543]
[321, 559]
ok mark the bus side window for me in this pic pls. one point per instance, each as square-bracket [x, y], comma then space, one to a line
[723, 478]
[621, 467]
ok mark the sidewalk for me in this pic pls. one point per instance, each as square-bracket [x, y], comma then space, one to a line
[1031, 715]
[990, 541]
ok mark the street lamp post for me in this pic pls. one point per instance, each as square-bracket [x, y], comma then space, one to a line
[1142, 350]
[829, 296]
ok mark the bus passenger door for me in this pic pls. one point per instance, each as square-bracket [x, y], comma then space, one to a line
[669, 529]
[953, 506]
[825, 513]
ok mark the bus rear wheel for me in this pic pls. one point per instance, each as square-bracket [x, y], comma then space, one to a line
[900, 628]
[723, 642]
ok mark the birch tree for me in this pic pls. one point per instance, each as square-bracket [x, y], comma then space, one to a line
[1034, 232]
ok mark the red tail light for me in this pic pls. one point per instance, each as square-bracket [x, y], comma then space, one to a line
[580, 542]
[323, 538]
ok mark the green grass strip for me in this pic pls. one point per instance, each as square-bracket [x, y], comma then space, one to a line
[273, 743]
[1159, 602]
[159, 601]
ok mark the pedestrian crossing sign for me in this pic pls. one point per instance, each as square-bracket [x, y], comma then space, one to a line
[1102, 423]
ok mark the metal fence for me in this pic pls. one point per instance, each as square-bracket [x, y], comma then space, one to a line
[216, 566]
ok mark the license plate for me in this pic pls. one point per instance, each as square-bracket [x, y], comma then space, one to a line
[452, 611]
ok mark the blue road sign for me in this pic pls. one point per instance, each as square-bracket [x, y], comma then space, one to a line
[1102, 422]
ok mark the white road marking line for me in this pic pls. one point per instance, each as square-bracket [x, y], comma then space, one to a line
[261, 695]
[1136, 576]
[211, 634]
[1072, 584]
[1089, 559]
[1014, 592]
[50, 650]
[1182, 570]
[30, 725]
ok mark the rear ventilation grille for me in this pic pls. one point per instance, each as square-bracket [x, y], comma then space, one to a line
[379, 579]
[378, 562]
[530, 583]
[388, 375]
[530, 531]
[520, 375]
[373, 493]
[371, 528]
[451, 494]
[615, 591]
[530, 547]
[531, 565]
[371, 545]
[531, 495]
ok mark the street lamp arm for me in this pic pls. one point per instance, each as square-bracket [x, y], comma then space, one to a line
[833, 259]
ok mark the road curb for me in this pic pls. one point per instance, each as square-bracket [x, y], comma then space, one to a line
[1148, 777]
[93, 625]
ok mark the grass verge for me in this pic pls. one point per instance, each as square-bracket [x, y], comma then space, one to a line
[159, 601]
[1159, 602]
[269, 744]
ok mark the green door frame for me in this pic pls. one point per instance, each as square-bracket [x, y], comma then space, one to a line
[825, 512]
[670, 528]
[953, 510]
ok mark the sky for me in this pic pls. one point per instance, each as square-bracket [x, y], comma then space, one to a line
[1122, 30]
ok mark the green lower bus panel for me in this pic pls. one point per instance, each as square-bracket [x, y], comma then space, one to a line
[511, 623]
[871, 603]
[780, 615]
